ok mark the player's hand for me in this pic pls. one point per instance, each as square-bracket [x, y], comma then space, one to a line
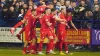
[68, 27]
[76, 29]
[50, 24]
[64, 20]
[12, 30]
[63, 23]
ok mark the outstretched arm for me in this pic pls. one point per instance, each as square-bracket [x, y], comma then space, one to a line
[65, 23]
[73, 25]
[59, 19]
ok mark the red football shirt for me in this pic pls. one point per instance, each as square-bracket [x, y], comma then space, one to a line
[53, 21]
[32, 20]
[45, 18]
[61, 26]
[39, 11]
[69, 18]
[27, 14]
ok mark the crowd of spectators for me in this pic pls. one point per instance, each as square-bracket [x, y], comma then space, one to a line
[11, 11]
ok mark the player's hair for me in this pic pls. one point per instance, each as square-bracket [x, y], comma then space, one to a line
[32, 6]
[33, 10]
[52, 10]
[46, 9]
[62, 9]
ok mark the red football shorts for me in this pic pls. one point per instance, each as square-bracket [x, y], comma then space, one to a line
[45, 33]
[61, 34]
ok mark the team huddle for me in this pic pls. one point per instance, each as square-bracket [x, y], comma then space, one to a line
[48, 18]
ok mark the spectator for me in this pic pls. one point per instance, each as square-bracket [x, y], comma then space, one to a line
[89, 3]
[88, 15]
[11, 17]
[4, 17]
[40, 2]
[46, 1]
[96, 13]
[35, 0]
[25, 1]
[22, 3]
[3, 2]
[21, 14]
[25, 7]
[62, 2]
[30, 3]
[5, 13]
[79, 8]
[83, 7]
[58, 6]
[34, 5]
[14, 2]
[11, 13]
[68, 3]
[96, 2]
[9, 2]
[0, 7]
[55, 2]
[72, 5]
[17, 8]
[30, 7]
[74, 9]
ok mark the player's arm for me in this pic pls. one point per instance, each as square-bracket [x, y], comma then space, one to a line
[24, 20]
[73, 25]
[48, 23]
[65, 23]
[59, 19]
[36, 17]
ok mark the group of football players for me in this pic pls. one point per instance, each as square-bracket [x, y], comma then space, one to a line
[48, 18]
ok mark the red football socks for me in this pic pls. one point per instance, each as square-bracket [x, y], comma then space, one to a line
[40, 45]
[66, 46]
[60, 45]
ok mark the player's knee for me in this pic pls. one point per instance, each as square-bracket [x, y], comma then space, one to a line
[41, 39]
[34, 41]
[25, 43]
[55, 40]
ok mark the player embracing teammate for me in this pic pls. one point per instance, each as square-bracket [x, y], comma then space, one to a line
[48, 17]
[61, 31]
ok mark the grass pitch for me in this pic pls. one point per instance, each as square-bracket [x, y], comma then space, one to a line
[14, 52]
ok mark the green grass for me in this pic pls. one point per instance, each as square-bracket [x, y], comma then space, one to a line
[14, 52]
